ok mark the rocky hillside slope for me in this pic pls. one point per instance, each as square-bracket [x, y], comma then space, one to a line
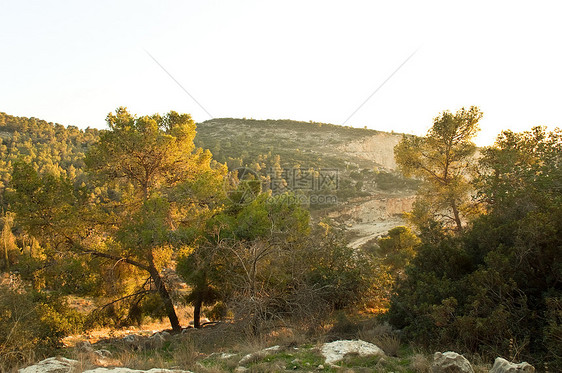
[371, 195]
[365, 193]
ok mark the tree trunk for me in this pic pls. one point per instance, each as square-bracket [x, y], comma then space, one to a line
[163, 292]
[6, 258]
[5, 242]
[197, 311]
[456, 215]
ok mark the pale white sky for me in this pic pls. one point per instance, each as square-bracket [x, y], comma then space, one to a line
[72, 62]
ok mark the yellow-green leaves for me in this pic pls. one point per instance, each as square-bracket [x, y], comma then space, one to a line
[443, 159]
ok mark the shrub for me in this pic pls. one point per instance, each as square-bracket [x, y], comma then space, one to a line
[31, 324]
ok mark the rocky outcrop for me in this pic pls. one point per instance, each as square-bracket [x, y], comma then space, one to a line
[450, 362]
[63, 365]
[503, 366]
[127, 370]
[51, 365]
[372, 217]
[378, 148]
[335, 351]
[374, 209]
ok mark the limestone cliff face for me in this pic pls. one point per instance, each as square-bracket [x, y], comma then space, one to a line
[378, 148]
[374, 210]
[372, 217]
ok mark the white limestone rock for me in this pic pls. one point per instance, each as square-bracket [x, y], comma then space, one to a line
[63, 365]
[504, 366]
[258, 355]
[51, 365]
[127, 370]
[335, 351]
[450, 362]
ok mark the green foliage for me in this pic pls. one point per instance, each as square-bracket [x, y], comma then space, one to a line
[495, 288]
[49, 148]
[151, 152]
[9, 247]
[146, 181]
[273, 148]
[238, 243]
[262, 262]
[442, 160]
[398, 247]
[343, 277]
[31, 324]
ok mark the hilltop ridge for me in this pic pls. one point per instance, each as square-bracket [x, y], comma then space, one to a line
[369, 197]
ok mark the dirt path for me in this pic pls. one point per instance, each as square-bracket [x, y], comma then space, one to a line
[368, 231]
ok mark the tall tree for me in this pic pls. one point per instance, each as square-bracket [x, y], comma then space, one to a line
[152, 184]
[442, 159]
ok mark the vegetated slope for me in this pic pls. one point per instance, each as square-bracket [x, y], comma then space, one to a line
[50, 147]
[371, 194]
[313, 144]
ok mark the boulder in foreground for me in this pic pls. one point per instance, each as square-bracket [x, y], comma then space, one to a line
[335, 351]
[63, 365]
[450, 362]
[503, 366]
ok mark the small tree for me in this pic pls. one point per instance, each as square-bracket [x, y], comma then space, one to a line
[236, 246]
[442, 159]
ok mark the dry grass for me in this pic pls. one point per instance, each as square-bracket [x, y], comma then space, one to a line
[381, 335]
[186, 354]
[420, 363]
[371, 330]
[389, 343]
[480, 363]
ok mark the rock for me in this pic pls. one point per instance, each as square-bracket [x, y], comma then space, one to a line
[257, 355]
[504, 366]
[335, 351]
[84, 346]
[127, 370]
[103, 353]
[63, 365]
[240, 370]
[450, 362]
[51, 365]
[103, 358]
[380, 364]
[159, 336]
[156, 340]
[129, 338]
[320, 367]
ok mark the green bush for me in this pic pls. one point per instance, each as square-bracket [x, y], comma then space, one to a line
[494, 287]
[32, 324]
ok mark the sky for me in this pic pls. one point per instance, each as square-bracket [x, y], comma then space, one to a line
[73, 62]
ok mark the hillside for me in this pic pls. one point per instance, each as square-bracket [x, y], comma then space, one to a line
[49, 147]
[371, 195]
[368, 195]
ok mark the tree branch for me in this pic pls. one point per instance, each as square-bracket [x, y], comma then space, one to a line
[105, 255]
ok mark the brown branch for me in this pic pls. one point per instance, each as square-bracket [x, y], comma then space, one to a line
[105, 255]
[144, 291]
